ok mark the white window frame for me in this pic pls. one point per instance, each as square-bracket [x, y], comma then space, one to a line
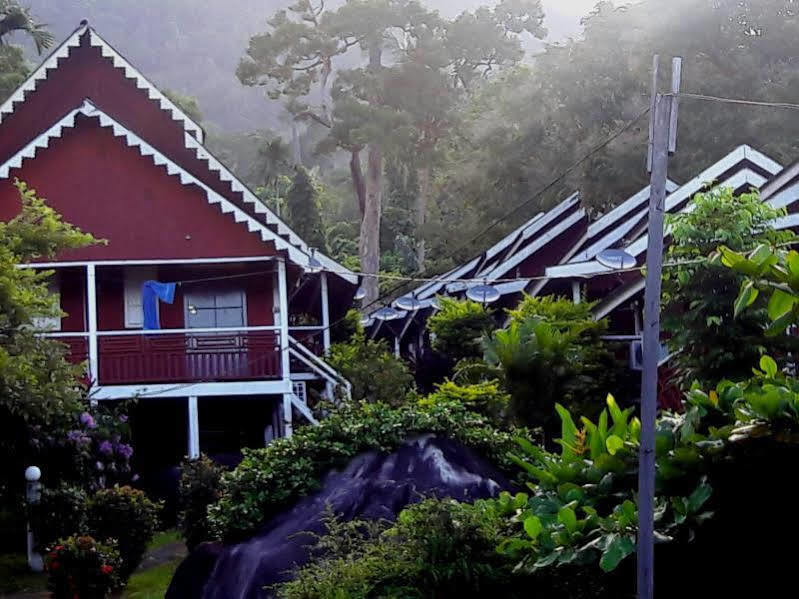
[134, 279]
[50, 323]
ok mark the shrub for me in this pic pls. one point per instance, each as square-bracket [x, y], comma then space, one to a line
[699, 295]
[199, 488]
[79, 566]
[126, 515]
[458, 327]
[375, 373]
[62, 512]
[435, 549]
[550, 352]
[484, 397]
[269, 479]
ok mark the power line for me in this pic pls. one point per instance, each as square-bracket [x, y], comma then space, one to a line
[739, 101]
[563, 174]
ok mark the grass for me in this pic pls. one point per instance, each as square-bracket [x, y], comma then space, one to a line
[151, 583]
[163, 538]
[15, 577]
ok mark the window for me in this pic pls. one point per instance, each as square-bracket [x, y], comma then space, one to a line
[215, 308]
[134, 279]
[50, 323]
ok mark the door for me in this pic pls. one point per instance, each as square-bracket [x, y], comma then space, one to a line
[216, 355]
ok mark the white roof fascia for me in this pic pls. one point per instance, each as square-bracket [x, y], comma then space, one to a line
[143, 83]
[737, 180]
[536, 245]
[40, 73]
[611, 238]
[132, 140]
[786, 222]
[625, 208]
[784, 198]
[434, 286]
[259, 207]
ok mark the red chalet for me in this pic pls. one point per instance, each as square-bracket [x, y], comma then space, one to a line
[225, 367]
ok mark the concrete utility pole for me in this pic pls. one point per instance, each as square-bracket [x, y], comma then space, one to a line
[662, 141]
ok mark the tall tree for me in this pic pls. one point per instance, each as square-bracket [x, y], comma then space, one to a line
[363, 102]
[302, 210]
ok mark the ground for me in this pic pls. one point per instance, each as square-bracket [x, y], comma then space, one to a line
[148, 582]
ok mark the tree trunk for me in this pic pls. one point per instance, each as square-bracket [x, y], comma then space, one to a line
[357, 181]
[423, 174]
[369, 242]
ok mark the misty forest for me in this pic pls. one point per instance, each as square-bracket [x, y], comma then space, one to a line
[398, 299]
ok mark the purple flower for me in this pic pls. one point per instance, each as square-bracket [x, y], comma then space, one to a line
[134, 478]
[74, 436]
[123, 418]
[87, 420]
[99, 466]
[106, 448]
[125, 450]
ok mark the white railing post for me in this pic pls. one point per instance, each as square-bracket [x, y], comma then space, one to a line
[325, 314]
[33, 495]
[326, 330]
[194, 429]
[285, 358]
[91, 320]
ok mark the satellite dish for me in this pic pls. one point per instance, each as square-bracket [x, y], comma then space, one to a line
[457, 287]
[485, 294]
[387, 313]
[616, 259]
[407, 302]
[360, 294]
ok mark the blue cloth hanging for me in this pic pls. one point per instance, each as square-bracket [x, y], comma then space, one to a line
[151, 292]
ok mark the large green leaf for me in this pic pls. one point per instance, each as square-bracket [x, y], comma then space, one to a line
[614, 444]
[533, 527]
[617, 549]
[780, 303]
[746, 297]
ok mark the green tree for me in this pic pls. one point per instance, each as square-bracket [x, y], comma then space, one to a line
[188, 104]
[16, 18]
[457, 329]
[367, 106]
[708, 342]
[302, 209]
[40, 397]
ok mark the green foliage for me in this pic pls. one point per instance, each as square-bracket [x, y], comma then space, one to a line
[709, 339]
[188, 104]
[485, 398]
[40, 398]
[127, 516]
[302, 209]
[14, 17]
[268, 480]
[13, 70]
[62, 511]
[775, 273]
[435, 549]
[375, 373]
[199, 488]
[79, 566]
[458, 327]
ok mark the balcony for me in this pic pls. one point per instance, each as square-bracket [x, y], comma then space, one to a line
[181, 356]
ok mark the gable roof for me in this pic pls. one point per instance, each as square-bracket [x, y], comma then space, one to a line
[87, 109]
[63, 52]
[742, 167]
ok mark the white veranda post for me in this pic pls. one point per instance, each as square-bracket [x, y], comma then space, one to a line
[285, 364]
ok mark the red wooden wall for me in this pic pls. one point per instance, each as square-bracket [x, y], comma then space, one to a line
[108, 189]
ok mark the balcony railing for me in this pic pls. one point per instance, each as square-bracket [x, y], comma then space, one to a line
[184, 355]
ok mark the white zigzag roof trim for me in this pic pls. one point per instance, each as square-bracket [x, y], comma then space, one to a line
[63, 51]
[202, 153]
[132, 140]
[143, 83]
[40, 74]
